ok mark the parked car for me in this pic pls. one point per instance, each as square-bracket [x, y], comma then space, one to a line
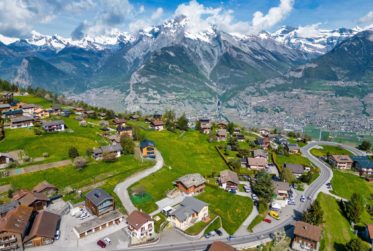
[302, 198]
[101, 244]
[107, 240]
[254, 197]
[207, 235]
[267, 220]
[57, 235]
[212, 233]
[231, 237]
[246, 189]
[291, 202]
[218, 232]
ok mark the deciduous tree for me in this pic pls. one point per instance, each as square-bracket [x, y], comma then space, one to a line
[314, 215]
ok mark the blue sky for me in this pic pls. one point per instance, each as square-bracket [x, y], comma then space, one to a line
[95, 17]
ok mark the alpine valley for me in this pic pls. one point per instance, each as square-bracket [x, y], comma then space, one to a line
[289, 78]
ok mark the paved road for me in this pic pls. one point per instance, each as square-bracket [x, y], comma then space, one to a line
[122, 188]
[312, 191]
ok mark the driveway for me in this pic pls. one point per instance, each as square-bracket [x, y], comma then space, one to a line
[122, 188]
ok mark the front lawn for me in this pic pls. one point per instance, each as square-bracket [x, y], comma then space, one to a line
[30, 99]
[233, 209]
[336, 229]
[320, 152]
[55, 144]
[292, 159]
[183, 154]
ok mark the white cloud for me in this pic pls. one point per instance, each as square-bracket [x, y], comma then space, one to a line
[311, 30]
[157, 14]
[367, 19]
[274, 16]
[201, 18]
[141, 9]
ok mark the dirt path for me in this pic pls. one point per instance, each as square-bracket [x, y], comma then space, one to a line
[39, 167]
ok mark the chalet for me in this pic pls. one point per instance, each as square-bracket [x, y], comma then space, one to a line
[5, 208]
[292, 148]
[134, 117]
[41, 113]
[362, 164]
[191, 183]
[279, 140]
[119, 122]
[13, 228]
[66, 113]
[6, 97]
[12, 113]
[79, 110]
[99, 202]
[90, 114]
[263, 142]
[189, 212]
[98, 153]
[28, 109]
[297, 169]
[157, 125]
[340, 161]
[228, 180]
[264, 132]
[220, 246]
[236, 131]
[306, 237]
[240, 137]
[102, 115]
[21, 122]
[37, 201]
[4, 107]
[43, 229]
[222, 125]
[54, 126]
[260, 153]
[140, 226]
[205, 126]
[114, 139]
[45, 188]
[257, 163]
[221, 134]
[147, 148]
[125, 131]
[20, 193]
[5, 160]
[281, 189]
[55, 110]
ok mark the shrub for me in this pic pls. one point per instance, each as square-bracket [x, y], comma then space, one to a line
[45, 155]
[73, 152]
[109, 157]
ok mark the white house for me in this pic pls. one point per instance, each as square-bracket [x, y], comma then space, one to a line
[54, 126]
[140, 226]
[189, 212]
[116, 149]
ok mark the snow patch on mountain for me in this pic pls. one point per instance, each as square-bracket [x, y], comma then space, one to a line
[7, 40]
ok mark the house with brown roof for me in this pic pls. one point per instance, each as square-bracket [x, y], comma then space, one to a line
[340, 161]
[221, 134]
[220, 246]
[37, 201]
[45, 188]
[43, 229]
[191, 183]
[257, 163]
[281, 189]
[306, 237]
[263, 142]
[292, 148]
[140, 226]
[19, 194]
[21, 122]
[119, 122]
[157, 124]
[228, 180]
[13, 228]
[41, 113]
[125, 131]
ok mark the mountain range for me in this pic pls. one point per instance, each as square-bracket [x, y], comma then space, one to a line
[170, 66]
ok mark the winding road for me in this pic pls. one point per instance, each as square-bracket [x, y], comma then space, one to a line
[325, 176]
[122, 188]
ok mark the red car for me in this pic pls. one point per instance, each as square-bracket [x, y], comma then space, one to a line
[267, 220]
[101, 244]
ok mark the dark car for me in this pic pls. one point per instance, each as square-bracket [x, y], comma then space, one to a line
[233, 191]
[218, 232]
[207, 235]
[101, 244]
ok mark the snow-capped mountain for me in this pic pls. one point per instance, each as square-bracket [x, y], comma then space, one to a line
[311, 39]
